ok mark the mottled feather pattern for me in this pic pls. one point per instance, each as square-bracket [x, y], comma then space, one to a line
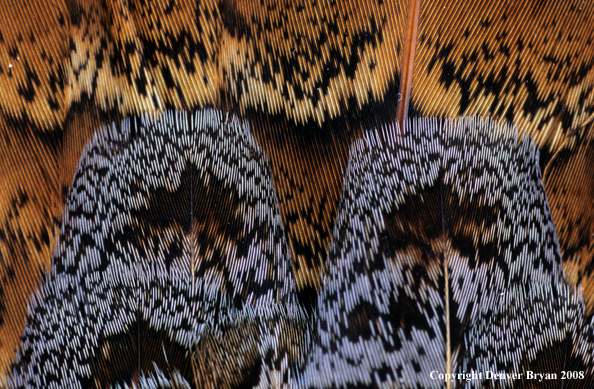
[486, 230]
[126, 266]
[507, 290]
[225, 194]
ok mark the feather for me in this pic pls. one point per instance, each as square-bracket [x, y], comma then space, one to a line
[408, 59]
[123, 295]
[297, 102]
[444, 260]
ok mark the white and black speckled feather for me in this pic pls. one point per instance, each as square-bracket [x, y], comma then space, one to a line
[444, 258]
[126, 257]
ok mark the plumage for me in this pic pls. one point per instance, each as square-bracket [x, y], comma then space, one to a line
[172, 234]
[271, 125]
[473, 283]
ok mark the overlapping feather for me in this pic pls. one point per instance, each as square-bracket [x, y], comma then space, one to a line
[310, 80]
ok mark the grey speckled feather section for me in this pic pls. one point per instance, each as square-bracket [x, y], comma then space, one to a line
[172, 268]
[444, 259]
[172, 254]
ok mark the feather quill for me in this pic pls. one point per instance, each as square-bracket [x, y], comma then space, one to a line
[408, 59]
